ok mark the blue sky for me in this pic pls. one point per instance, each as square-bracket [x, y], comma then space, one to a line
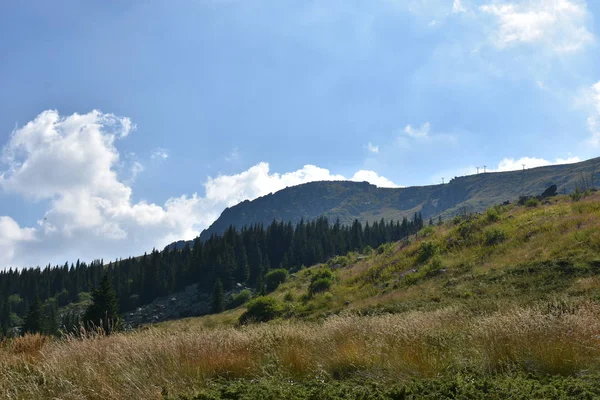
[202, 104]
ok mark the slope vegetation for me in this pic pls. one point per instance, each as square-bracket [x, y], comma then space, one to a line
[504, 304]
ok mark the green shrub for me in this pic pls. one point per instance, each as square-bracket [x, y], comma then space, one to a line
[492, 215]
[367, 250]
[577, 195]
[467, 229]
[274, 278]
[320, 282]
[261, 309]
[494, 237]
[289, 297]
[427, 231]
[320, 285]
[426, 251]
[239, 298]
[384, 248]
[338, 260]
[533, 202]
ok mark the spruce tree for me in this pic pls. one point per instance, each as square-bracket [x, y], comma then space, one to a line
[104, 311]
[51, 319]
[33, 319]
[5, 317]
[218, 298]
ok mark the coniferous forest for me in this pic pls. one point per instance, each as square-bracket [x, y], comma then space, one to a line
[243, 256]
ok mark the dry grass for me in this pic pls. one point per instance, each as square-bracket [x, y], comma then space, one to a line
[145, 363]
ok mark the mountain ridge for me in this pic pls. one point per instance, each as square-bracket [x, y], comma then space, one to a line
[346, 200]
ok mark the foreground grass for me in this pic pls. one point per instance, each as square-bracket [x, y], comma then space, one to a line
[392, 350]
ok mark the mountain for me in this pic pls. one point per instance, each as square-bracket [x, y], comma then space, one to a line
[365, 202]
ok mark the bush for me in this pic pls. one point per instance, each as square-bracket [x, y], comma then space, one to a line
[426, 251]
[467, 229]
[338, 260]
[240, 298]
[577, 195]
[494, 237]
[533, 202]
[274, 278]
[261, 309]
[289, 297]
[492, 215]
[320, 282]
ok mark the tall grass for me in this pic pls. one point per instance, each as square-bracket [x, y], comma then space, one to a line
[147, 363]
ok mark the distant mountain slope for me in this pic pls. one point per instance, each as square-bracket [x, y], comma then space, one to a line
[365, 202]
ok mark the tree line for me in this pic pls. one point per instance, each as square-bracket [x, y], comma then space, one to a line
[242, 256]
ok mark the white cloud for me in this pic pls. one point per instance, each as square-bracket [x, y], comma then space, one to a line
[593, 98]
[136, 169]
[421, 132]
[558, 24]
[458, 7]
[374, 178]
[233, 156]
[160, 154]
[506, 164]
[372, 148]
[510, 164]
[70, 163]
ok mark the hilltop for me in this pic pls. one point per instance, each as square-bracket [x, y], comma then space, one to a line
[367, 203]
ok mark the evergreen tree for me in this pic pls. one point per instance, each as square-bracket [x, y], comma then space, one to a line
[104, 311]
[33, 319]
[218, 298]
[51, 319]
[5, 317]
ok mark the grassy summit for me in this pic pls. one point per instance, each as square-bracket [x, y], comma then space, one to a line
[504, 304]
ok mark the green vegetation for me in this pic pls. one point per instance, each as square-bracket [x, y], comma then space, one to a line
[496, 307]
[261, 309]
[240, 298]
[218, 298]
[320, 282]
[103, 313]
[274, 278]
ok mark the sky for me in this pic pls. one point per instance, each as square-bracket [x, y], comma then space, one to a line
[126, 125]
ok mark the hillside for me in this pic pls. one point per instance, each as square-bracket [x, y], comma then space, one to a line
[502, 305]
[365, 202]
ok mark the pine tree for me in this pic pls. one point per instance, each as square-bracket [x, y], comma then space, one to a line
[218, 298]
[33, 319]
[104, 311]
[5, 317]
[51, 319]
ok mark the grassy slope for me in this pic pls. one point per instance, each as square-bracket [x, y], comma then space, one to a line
[516, 319]
[551, 252]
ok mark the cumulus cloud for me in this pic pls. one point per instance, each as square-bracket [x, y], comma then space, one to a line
[558, 24]
[374, 178]
[511, 164]
[418, 132]
[70, 163]
[371, 148]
